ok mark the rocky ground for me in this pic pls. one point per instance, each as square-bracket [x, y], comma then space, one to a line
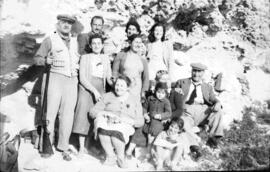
[232, 37]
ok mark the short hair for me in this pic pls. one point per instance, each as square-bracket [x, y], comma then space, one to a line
[133, 22]
[179, 121]
[95, 36]
[151, 36]
[125, 78]
[97, 17]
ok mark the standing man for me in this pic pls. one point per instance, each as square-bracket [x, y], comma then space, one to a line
[200, 105]
[97, 23]
[60, 51]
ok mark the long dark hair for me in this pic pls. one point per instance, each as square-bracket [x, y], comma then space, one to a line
[133, 22]
[151, 36]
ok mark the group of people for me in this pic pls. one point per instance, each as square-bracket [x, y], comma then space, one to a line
[125, 99]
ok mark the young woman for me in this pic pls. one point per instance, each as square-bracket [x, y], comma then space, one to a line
[95, 70]
[116, 115]
[159, 52]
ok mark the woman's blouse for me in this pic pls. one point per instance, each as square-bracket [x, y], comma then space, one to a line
[97, 67]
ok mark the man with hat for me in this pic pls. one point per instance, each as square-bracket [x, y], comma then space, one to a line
[200, 105]
[59, 53]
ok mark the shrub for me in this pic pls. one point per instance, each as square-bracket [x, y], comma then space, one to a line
[246, 146]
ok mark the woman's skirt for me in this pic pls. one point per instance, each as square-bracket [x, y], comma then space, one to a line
[86, 101]
[125, 129]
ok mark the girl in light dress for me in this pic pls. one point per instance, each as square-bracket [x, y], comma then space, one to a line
[159, 52]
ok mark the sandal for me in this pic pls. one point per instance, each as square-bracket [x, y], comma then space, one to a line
[66, 156]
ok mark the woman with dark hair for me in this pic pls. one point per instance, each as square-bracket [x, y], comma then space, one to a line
[134, 66]
[116, 115]
[132, 28]
[159, 52]
[95, 70]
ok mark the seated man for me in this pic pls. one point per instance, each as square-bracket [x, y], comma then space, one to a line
[200, 105]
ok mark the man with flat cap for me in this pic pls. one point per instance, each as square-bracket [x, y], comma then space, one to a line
[200, 105]
[59, 51]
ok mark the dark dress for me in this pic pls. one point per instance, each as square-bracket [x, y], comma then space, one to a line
[155, 106]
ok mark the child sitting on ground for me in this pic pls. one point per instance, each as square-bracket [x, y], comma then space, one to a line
[156, 109]
[173, 145]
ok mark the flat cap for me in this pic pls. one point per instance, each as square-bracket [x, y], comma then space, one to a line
[198, 66]
[66, 17]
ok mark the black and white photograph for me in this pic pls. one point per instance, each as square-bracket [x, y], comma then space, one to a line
[134, 85]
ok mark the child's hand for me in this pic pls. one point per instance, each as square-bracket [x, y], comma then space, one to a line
[157, 116]
[146, 117]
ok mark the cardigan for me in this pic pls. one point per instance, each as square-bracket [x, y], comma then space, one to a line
[207, 91]
[131, 108]
[86, 71]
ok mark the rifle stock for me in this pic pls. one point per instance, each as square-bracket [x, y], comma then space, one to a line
[43, 142]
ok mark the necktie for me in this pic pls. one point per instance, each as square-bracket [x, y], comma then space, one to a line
[193, 95]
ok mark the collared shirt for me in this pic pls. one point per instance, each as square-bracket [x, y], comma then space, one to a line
[199, 97]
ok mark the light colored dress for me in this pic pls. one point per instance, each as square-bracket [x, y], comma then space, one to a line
[134, 72]
[156, 62]
[160, 58]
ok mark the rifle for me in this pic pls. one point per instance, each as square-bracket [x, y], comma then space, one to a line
[44, 143]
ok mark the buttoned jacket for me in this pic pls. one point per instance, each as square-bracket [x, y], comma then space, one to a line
[207, 91]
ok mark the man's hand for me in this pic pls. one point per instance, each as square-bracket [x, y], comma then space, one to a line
[217, 107]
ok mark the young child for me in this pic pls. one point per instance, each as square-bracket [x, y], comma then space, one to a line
[173, 145]
[156, 109]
